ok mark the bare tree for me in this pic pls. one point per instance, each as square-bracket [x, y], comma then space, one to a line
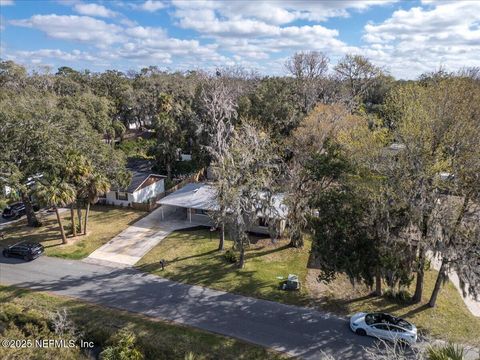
[309, 69]
[218, 102]
[244, 186]
[358, 75]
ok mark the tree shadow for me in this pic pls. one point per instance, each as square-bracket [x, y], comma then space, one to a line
[252, 255]
[416, 310]
[9, 293]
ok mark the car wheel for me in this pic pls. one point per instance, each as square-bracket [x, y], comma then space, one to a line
[27, 258]
[6, 254]
[360, 332]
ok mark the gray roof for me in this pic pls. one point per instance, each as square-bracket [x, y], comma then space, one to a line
[194, 195]
[141, 170]
[202, 196]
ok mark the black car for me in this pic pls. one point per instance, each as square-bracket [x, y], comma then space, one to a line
[14, 211]
[17, 210]
[25, 250]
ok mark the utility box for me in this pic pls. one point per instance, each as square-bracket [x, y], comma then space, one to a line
[291, 283]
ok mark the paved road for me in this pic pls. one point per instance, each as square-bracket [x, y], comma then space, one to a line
[128, 247]
[297, 331]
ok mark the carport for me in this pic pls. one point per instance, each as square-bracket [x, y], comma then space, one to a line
[198, 199]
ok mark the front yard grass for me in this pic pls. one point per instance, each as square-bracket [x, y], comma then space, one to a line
[26, 315]
[104, 223]
[450, 320]
[192, 258]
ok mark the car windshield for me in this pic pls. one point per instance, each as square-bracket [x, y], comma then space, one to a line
[377, 318]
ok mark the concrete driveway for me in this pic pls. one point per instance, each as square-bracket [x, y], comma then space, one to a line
[134, 242]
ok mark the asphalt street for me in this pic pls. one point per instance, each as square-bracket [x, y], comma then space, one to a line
[298, 331]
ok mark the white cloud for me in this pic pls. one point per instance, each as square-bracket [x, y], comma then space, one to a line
[152, 5]
[46, 57]
[73, 27]
[421, 39]
[94, 10]
[145, 32]
[260, 30]
[277, 12]
[138, 44]
[6, 2]
[262, 34]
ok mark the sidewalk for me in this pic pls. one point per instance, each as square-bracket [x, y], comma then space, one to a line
[472, 304]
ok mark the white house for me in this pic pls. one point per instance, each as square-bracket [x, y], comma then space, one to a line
[144, 187]
[197, 200]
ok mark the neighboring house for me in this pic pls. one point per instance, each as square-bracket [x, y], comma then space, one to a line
[197, 200]
[144, 187]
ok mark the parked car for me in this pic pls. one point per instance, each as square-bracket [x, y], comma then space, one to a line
[14, 211]
[383, 326]
[25, 250]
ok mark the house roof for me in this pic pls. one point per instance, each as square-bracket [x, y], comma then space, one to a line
[202, 196]
[194, 195]
[141, 170]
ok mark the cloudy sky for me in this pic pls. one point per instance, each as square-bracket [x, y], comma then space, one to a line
[405, 37]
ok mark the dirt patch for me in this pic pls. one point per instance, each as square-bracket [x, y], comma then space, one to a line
[334, 296]
[266, 242]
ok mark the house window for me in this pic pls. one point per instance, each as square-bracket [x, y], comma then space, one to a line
[120, 195]
[262, 222]
[201, 212]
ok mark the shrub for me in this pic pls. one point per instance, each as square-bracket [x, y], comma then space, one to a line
[448, 352]
[190, 356]
[231, 256]
[3, 204]
[402, 295]
[30, 324]
[137, 148]
[123, 347]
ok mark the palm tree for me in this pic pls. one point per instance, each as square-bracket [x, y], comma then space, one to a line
[72, 216]
[96, 185]
[56, 193]
[77, 170]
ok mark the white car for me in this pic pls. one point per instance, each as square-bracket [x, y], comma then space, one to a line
[383, 326]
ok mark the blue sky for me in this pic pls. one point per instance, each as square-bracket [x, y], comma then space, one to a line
[406, 38]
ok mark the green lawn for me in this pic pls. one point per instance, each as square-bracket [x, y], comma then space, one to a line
[104, 223]
[449, 320]
[193, 258]
[26, 315]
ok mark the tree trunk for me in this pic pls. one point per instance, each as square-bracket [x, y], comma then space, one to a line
[169, 171]
[87, 212]
[417, 297]
[221, 243]
[296, 240]
[241, 261]
[438, 284]
[378, 283]
[31, 216]
[72, 215]
[59, 219]
[79, 213]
